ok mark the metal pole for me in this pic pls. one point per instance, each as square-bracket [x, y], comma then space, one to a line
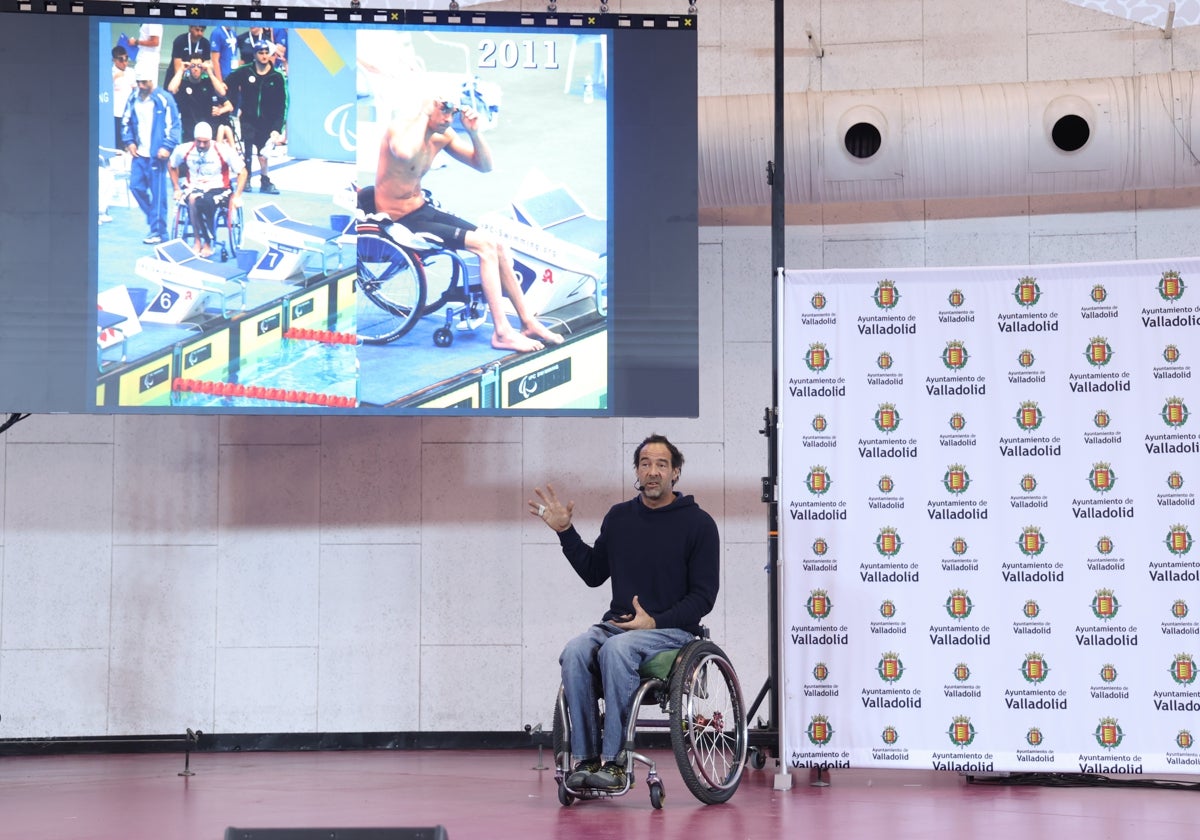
[777, 262]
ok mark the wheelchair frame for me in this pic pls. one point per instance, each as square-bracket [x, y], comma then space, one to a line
[702, 699]
[401, 287]
[227, 219]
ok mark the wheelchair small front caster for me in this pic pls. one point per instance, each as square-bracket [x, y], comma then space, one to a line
[657, 795]
[442, 337]
[758, 759]
[565, 799]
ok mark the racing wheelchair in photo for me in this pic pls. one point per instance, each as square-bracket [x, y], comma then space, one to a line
[697, 690]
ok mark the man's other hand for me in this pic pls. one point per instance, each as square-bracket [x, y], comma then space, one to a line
[641, 620]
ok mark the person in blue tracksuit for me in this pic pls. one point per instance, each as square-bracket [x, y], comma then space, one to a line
[150, 131]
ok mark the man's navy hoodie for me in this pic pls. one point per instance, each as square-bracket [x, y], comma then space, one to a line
[669, 557]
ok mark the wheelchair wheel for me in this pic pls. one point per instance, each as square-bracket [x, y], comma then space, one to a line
[181, 226]
[444, 270]
[559, 739]
[708, 722]
[560, 748]
[234, 223]
[392, 279]
[757, 759]
[657, 796]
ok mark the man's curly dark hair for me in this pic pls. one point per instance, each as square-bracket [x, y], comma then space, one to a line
[676, 455]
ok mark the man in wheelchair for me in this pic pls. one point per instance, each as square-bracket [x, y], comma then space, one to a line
[406, 154]
[662, 553]
[206, 175]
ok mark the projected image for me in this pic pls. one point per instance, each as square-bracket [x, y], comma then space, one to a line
[483, 169]
[322, 218]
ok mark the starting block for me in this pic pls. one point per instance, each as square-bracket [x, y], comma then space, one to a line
[552, 271]
[278, 265]
[186, 282]
[560, 248]
[116, 322]
[108, 334]
[556, 210]
[291, 237]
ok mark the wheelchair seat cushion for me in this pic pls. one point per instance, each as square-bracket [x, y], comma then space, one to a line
[659, 666]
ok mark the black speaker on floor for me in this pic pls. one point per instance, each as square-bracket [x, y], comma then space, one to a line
[437, 832]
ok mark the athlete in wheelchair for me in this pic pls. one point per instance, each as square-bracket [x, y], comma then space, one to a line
[392, 272]
[661, 552]
[208, 178]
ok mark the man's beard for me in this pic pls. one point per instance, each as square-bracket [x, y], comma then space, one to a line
[655, 492]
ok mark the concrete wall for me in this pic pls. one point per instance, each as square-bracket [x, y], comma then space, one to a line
[381, 574]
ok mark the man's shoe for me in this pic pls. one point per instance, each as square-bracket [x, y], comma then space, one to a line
[152, 239]
[610, 777]
[268, 188]
[583, 770]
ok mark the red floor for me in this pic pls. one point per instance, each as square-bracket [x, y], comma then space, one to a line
[498, 794]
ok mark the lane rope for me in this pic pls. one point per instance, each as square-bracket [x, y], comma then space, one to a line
[259, 392]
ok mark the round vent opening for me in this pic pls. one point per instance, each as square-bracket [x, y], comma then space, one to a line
[1070, 133]
[863, 140]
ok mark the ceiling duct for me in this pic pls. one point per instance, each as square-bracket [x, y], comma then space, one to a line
[969, 141]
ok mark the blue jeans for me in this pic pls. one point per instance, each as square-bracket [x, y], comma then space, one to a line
[148, 183]
[609, 656]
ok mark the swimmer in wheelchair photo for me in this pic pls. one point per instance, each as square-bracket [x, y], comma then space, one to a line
[400, 228]
[393, 273]
[399, 271]
[208, 179]
[660, 552]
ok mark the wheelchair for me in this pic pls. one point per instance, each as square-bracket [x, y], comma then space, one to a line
[394, 274]
[228, 227]
[698, 691]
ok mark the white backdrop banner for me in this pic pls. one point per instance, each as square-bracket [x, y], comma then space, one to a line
[988, 517]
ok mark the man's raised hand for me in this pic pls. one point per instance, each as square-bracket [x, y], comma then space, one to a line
[550, 510]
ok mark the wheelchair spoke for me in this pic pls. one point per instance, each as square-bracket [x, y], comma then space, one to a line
[713, 747]
[392, 289]
[710, 740]
[394, 281]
